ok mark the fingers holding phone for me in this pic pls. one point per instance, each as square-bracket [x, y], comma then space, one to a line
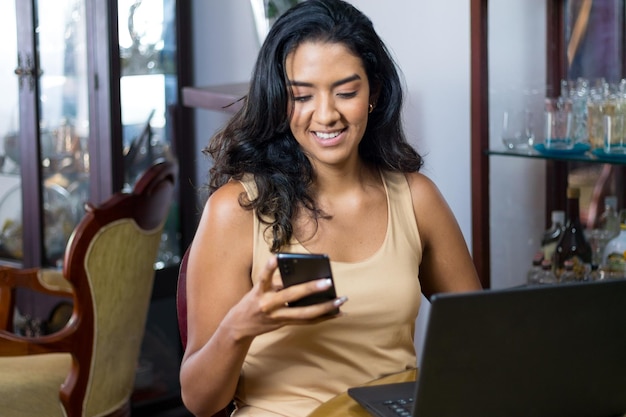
[314, 269]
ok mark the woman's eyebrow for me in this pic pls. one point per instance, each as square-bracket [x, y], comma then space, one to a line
[337, 83]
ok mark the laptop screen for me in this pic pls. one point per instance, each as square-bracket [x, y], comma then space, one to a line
[528, 351]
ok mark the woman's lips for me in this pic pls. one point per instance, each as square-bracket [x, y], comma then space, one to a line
[329, 138]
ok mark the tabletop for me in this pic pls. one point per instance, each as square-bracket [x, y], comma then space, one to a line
[344, 406]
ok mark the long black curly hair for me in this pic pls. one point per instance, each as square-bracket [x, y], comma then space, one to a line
[257, 140]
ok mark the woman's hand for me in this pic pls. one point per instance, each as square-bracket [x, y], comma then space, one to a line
[265, 307]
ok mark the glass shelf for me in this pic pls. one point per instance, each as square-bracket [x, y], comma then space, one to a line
[533, 154]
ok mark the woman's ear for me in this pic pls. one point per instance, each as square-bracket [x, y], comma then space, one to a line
[374, 93]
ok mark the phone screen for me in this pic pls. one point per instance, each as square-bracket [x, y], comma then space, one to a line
[296, 268]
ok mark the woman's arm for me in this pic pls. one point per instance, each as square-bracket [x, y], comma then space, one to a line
[224, 310]
[446, 262]
[218, 276]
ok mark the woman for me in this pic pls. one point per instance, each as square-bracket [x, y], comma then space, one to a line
[315, 161]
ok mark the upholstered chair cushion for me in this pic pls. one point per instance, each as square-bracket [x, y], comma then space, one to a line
[40, 376]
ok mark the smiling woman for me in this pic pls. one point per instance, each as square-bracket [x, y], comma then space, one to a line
[316, 161]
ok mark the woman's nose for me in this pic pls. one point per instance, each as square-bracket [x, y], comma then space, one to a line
[326, 112]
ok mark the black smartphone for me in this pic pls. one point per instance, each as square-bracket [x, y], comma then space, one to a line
[296, 268]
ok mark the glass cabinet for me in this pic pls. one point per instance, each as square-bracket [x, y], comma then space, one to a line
[45, 138]
[91, 99]
[524, 54]
[89, 104]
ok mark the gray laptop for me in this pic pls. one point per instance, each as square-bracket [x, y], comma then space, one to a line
[542, 351]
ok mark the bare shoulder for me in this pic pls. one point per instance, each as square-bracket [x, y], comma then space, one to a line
[225, 203]
[226, 228]
[446, 262]
[424, 192]
[223, 210]
[431, 210]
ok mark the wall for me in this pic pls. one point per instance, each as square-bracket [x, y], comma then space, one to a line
[224, 49]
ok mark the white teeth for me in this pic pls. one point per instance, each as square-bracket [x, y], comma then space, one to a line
[322, 135]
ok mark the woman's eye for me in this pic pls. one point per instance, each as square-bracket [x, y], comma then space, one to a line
[301, 98]
[347, 95]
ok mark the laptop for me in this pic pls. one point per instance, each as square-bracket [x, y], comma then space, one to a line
[540, 351]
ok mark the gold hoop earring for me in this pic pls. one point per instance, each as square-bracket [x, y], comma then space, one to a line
[371, 108]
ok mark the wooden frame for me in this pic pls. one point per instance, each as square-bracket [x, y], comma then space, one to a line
[556, 170]
[480, 140]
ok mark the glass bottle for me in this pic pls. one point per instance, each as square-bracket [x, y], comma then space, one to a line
[553, 234]
[595, 117]
[573, 244]
[546, 276]
[609, 219]
[596, 274]
[568, 274]
[614, 259]
[532, 276]
[608, 227]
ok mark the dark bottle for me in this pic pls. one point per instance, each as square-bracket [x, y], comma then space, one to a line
[551, 236]
[573, 245]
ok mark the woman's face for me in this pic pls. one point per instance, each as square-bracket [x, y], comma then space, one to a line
[331, 97]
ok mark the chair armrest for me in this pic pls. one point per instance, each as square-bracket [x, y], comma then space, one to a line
[47, 281]
[53, 280]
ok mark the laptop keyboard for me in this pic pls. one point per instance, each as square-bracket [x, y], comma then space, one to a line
[402, 407]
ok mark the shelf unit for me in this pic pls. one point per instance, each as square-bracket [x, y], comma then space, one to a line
[556, 167]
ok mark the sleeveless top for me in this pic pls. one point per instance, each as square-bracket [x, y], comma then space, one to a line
[291, 371]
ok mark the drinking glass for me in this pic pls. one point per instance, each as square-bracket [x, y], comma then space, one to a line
[614, 135]
[517, 129]
[558, 125]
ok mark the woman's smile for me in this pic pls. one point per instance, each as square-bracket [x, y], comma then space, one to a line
[330, 98]
[329, 138]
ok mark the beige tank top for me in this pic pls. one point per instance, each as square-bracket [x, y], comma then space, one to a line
[291, 371]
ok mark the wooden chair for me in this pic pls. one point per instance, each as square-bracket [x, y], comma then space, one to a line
[181, 307]
[88, 367]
